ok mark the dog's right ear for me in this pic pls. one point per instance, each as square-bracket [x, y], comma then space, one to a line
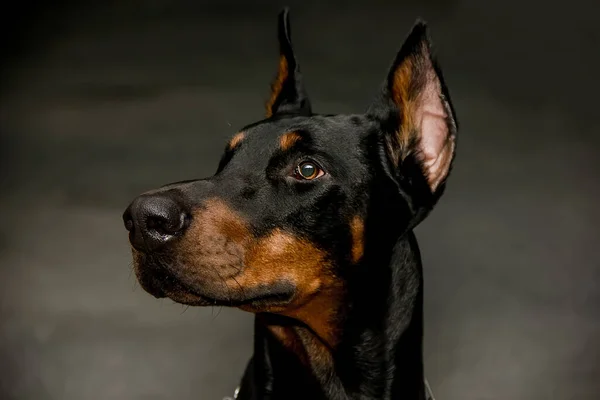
[287, 91]
[418, 124]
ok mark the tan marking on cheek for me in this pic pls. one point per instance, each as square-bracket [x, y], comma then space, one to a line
[220, 248]
[277, 85]
[236, 140]
[283, 256]
[216, 241]
[218, 215]
[287, 140]
[357, 228]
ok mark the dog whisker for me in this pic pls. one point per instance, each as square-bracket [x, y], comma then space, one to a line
[224, 283]
[241, 288]
[218, 312]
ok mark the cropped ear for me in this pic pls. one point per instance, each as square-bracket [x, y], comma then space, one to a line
[418, 123]
[287, 92]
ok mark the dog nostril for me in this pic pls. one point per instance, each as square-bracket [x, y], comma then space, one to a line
[153, 223]
[165, 226]
[129, 225]
[128, 219]
[165, 222]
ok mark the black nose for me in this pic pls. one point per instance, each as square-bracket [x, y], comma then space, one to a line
[153, 220]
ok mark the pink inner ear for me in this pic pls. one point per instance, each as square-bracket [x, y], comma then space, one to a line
[436, 144]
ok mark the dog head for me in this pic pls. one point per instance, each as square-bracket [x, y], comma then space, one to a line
[301, 199]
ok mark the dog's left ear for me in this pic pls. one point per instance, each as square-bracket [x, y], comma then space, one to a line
[418, 123]
[287, 91]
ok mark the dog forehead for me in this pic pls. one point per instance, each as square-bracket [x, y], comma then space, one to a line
[321, 130]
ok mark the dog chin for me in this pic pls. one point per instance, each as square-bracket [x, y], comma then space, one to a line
[188, 298]
[161, 286]
[158, 282]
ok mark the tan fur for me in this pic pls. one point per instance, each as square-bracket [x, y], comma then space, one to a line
[219, 250]
[281, 255]
[215, 242]
[236, 140]
[309, 349]
[287, 140]
[357, 229]
[277, 85]
[401, 93]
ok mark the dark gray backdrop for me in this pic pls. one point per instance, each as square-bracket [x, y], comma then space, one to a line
[102, 102]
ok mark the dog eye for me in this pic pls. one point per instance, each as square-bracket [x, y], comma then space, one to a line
[308, 170]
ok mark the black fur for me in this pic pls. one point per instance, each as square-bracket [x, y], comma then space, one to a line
[379, 353]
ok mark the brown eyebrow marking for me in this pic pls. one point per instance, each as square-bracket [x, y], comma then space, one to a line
[287, 140]
[357, 228]
[236, 140]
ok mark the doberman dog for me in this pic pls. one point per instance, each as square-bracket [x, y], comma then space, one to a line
[308, 223]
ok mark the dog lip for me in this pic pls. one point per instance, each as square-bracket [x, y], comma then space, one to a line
[157, 292]
[162, 282]
[278, 297]
[269, 298]
[176, 293]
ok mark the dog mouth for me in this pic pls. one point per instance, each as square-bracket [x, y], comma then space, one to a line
[159, 281]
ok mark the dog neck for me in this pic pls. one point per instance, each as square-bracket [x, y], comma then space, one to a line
[378, 353]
